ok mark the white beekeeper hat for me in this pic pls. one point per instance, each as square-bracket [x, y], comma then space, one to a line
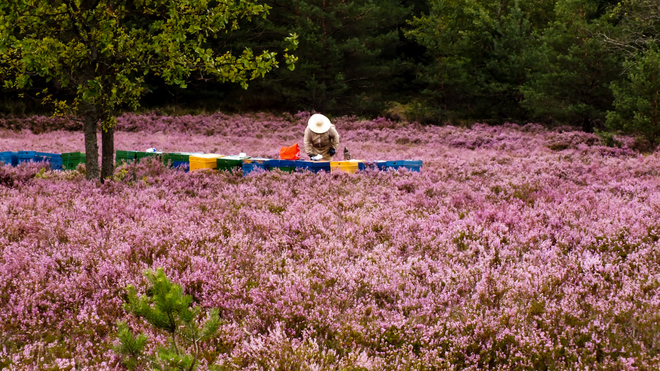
[318, 123]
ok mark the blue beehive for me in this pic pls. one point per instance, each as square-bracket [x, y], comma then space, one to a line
[284, 165]
[255, 164]
[375, 165]
[9, 158]
[54, 159]
[313, 166]
[412, 165]
[179, 159]
[26, 156]
[185, 165]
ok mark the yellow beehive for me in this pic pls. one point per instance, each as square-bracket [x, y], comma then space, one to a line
[204, 161]
[349, 166]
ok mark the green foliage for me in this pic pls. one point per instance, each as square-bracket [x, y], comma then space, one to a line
[93, 59]
[459, 61]
[569, 82]
[479, 60]
[41, 174]
[101, 52]
[608, 139]
[637, 25]
[516, 61]
[348, 56]
[168, 309]
[130, 347]
[637, 97]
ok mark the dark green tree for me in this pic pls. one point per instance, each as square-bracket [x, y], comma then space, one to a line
[348, 57]
[477, 57]
[569, 82]
[637, 97]
[95, 55]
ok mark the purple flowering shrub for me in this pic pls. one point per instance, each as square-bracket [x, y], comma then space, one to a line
[503, 253]
[18, 176]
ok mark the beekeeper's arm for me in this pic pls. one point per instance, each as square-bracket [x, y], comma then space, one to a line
[334, 137]
[309, 148]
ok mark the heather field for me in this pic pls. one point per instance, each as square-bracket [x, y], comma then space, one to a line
[515, 248]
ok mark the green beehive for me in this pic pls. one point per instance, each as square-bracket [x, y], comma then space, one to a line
[125, 156]
[141, 155]
[70, 160]
[231, 163]
[178, 158]
[181, 157]
[167, 158]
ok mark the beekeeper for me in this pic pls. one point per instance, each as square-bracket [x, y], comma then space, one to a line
[321, 138]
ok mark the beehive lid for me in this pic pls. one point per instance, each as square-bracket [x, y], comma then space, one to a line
[235, 157]
[258, 160]
[345, 162]
[205, 156]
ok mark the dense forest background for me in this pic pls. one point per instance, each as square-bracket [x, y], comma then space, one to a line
[588, 63]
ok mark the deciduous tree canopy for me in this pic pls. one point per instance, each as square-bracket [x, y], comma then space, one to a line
[93, 56]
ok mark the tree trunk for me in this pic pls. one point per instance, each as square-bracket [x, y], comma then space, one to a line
[107, 152]
[587, 125]
[91, 146]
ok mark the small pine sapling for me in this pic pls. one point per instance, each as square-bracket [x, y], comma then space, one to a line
[130, 347]
[168, 309]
